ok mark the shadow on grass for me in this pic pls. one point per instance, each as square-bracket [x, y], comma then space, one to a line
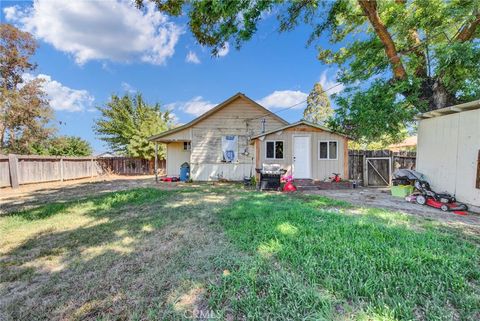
[374, 259]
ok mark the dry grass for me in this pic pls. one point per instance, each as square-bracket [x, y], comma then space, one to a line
[139, 254]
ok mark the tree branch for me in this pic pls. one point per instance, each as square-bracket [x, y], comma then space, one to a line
[468, 31]
[370, 10]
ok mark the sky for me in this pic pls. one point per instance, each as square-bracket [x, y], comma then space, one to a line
[89, 50]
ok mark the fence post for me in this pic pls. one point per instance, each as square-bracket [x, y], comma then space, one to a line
[13, 167]
[61, 169]
[365, 176]
[156, 162]
[91, 167]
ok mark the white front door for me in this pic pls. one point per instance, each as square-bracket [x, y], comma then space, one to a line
[301, 157]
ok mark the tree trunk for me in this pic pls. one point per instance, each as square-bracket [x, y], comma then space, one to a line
[369, 7]
[441, 97]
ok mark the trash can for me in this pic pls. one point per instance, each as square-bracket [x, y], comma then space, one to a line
[184, 172]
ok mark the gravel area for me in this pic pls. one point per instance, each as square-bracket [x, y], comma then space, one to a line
[381, 198]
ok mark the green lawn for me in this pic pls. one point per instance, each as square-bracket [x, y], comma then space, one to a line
[226, 253]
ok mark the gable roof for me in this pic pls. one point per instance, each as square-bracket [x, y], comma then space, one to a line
[214, 110]
[298, 123]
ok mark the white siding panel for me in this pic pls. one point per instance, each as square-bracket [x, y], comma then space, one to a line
[234, 172]
[176, 156]
[447, 153]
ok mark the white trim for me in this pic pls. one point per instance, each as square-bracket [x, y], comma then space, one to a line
[328, 150]
[309, 152]
[274, 154]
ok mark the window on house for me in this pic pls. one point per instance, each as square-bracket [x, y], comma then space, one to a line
[328, 149]
[187, 146]
[274, 149]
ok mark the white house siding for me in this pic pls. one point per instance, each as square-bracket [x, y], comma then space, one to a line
[320, 169]
[242, 118]
[447, 153]
[176, 156]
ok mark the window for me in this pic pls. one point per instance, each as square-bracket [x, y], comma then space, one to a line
[187, 146]
[274, 149]
[328, 149]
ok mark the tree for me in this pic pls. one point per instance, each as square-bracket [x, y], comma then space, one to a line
[63, 146]
[318, 108]
[395, 58]
[127, 122]
[24, 108]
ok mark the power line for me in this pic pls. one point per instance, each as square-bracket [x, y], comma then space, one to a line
[299, 103]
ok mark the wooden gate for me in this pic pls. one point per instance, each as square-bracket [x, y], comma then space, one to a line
[357, 165]
[378, 171]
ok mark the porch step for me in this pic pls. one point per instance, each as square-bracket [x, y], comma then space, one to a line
[307, 187]
[310, 184]
[304, 182]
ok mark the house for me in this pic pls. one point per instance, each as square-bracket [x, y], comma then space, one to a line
[237, 136]
[409, 144]
[448, 150]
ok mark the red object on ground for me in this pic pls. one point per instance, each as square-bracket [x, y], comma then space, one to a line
[451, 206]
[289, 187]
[170, 179]
[336, 178]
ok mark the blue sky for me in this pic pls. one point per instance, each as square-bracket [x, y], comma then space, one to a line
[91, 49]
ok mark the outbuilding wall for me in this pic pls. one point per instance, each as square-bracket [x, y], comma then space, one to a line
[320, 168]
[447, 153]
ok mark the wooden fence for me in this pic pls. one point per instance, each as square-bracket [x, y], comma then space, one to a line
[17, 170]
[375, 167]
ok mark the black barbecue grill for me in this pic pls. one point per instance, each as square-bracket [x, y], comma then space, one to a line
[270, 176]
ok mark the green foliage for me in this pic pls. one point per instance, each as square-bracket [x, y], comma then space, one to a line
[318, 108]
[127, 122]
[374, 114]
[63, 146]
[24, 109]
[424, 54]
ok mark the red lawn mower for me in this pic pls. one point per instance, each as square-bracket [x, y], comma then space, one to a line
[443, 201]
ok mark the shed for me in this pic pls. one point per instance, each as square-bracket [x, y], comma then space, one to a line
[448, 150]
[304, 149]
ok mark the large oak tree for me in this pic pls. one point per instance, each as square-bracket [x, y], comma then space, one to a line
[395, 58]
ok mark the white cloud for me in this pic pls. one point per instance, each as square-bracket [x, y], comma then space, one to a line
[328, 82]
[284, 99]
[62, 97]
[128, 88]
[192, 58]
[195, 106]
[224, 50]
[173, 118]
[107, 30]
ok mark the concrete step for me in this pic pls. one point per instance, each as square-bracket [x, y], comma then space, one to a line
[304, 182]
[306, 187]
